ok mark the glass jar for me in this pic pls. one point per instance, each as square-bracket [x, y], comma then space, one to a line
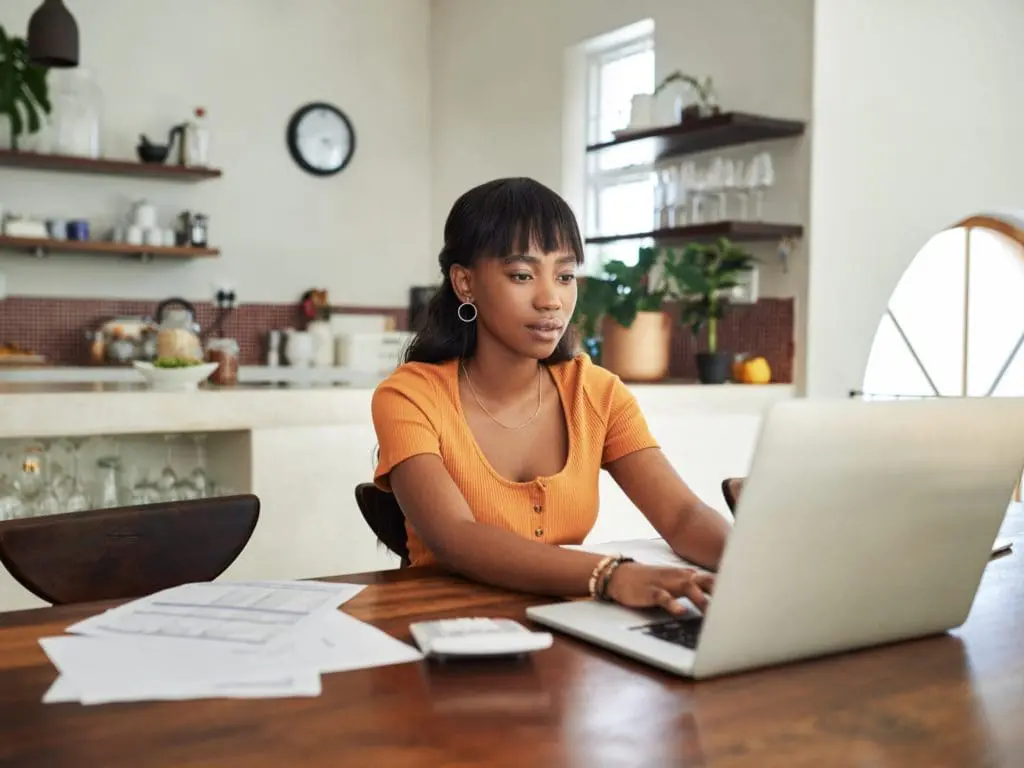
[225, 352]
[76, 114]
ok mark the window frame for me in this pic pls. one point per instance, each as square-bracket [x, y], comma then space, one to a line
[630, 41]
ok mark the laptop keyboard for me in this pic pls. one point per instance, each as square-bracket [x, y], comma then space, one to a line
[682, 632]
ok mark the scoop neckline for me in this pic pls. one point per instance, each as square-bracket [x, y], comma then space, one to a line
[540, 479]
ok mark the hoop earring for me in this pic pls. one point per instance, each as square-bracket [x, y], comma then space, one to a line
[472, 306]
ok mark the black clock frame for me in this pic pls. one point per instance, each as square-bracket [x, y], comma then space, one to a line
[291, 135]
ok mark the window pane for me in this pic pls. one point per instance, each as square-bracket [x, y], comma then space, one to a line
[891, 369]
[928, 304]
[1012, 383]
[620, 79]
[625, 208]
[996, 311]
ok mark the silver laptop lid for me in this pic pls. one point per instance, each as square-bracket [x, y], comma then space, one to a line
[861, 522]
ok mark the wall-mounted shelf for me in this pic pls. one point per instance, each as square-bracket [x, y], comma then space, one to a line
[38, 161]
[43, 246]
[725, 129]
[737, 231]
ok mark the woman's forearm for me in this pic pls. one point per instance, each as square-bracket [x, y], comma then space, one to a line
[503, 559]
[700, 535]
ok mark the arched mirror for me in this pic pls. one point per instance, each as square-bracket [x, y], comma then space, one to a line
[954, 325]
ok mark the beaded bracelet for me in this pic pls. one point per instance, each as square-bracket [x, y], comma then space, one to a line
[596, 574]
[602, 591]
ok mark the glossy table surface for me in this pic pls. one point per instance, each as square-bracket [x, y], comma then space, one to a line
[952, 700]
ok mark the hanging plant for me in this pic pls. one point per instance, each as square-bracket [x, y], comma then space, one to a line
[24, 94]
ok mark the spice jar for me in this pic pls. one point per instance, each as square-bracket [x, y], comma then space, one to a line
[225, 353]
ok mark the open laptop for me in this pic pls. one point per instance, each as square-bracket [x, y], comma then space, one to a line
[860, 523]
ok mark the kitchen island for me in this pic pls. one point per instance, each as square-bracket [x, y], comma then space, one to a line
[303, 449]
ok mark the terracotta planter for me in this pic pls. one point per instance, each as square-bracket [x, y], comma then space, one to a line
[640, 352]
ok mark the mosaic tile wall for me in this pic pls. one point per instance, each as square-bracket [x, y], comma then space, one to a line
[56, 327]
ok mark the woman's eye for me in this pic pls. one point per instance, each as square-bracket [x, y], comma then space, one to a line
[520, 277]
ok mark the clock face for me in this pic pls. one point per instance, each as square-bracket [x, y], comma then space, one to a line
[321, 139]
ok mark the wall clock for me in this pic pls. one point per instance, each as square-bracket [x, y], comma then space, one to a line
[321, 139]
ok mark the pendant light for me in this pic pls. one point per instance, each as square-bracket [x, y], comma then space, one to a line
[53, 36]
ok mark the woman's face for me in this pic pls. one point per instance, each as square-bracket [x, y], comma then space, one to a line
[524, 302]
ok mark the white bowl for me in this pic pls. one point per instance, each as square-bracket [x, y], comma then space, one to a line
[175, 379]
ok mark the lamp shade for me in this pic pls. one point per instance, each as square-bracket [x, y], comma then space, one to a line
[53, 36]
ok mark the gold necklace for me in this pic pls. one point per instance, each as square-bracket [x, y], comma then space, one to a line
[490, 415]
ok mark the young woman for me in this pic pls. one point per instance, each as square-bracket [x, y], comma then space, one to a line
[494, 431]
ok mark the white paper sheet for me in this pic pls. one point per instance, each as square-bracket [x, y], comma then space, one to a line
[647, 551]
[102, 670]
[344, 643]
[255, 614]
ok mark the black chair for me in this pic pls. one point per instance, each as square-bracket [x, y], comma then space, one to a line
[381, 512]
[728, 494]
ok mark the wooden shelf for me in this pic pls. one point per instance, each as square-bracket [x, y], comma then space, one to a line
[701, 134]
[37, 161]
[738, 231]
[43, 246]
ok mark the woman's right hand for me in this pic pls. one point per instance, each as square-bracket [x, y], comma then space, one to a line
[635, 585]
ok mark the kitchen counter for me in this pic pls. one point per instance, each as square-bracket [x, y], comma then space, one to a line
[303, 449]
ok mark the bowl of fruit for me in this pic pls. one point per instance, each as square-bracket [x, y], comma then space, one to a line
[175, 373]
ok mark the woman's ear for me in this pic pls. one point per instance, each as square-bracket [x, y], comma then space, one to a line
[462, 282]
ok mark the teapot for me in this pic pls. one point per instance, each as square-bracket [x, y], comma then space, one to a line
[177, 330]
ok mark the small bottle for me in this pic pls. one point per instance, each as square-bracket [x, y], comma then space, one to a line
[200, 154]
[274, 348]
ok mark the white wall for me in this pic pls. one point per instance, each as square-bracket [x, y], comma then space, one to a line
[498, 83]
[916, 125]
[251, 63]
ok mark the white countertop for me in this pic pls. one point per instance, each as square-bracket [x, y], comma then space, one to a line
[66, 407]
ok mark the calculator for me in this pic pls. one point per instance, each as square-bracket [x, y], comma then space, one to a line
[476, 637]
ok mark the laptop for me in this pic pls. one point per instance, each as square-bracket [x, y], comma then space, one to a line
[861, 523]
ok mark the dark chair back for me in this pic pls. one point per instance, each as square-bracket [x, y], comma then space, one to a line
[127, 552]
[381, 512]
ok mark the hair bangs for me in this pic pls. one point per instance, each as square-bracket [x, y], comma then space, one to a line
[518, 215]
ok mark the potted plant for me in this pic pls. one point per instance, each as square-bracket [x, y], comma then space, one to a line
[621, 319]
[703, 275]
[24, 95]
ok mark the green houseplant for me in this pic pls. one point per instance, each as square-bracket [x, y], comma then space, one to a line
[621, 318]
[24, 94]
[702, 275]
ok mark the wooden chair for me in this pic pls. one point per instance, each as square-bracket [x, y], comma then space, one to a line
[127, 552]
[381, 512]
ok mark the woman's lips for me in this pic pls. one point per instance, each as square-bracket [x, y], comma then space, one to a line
[546, 330]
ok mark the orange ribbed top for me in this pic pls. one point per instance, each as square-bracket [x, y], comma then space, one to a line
[418, 410]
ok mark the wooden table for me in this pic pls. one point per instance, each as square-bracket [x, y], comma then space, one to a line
[952, 700]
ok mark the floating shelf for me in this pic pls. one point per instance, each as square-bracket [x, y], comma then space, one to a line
[38, 161]
[43, 246]
[725, 129]
[738, 231]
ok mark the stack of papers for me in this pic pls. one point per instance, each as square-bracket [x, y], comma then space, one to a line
[225, 639]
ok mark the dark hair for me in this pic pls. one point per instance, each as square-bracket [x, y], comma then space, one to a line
[493, 220]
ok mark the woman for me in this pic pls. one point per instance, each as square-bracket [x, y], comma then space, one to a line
[493, 432]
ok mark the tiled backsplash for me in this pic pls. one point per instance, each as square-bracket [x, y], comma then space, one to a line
[56, 327]
[764, 328]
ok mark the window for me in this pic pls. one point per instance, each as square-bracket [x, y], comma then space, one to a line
[619, 187]
[954, 326]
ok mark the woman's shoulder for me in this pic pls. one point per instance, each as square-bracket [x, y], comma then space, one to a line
[421, 383]
[417, 376]
[583, 374]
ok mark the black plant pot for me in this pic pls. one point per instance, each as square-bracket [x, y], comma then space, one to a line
[714, 367]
